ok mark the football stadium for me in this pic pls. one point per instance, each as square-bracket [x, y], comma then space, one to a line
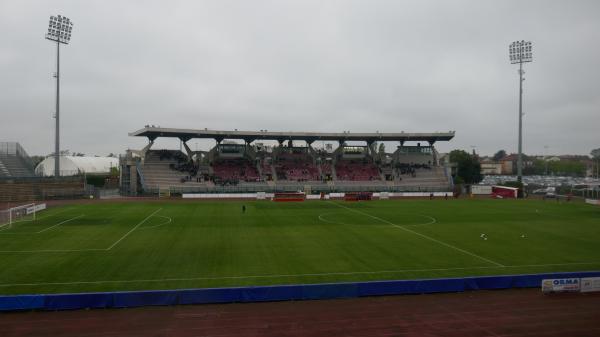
[199, 228]
[245, 223]
[242, 215]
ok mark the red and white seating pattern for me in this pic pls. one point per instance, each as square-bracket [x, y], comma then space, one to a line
[356, 171]
[236, 169]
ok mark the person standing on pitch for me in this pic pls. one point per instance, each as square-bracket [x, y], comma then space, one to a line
[243, 208]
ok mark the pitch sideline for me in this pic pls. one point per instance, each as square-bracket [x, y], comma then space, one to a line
[295, 275]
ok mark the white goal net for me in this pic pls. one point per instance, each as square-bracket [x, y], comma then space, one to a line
[9, 217]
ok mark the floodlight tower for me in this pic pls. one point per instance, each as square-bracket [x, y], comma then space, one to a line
[520, 52]
[59, 31]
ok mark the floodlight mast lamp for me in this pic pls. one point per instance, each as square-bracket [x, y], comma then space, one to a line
[520, 52]
[59, 31]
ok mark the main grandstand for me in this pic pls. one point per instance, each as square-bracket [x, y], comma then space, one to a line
[293, 164]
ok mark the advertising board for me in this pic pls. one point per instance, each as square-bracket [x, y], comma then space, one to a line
[561, 285]
[590, 284]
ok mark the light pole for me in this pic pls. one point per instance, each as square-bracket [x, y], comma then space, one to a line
[520, 52]
[473, 147]
[546, 157]
[59, 31]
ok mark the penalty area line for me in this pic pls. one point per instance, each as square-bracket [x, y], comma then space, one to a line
[58, 224]
[134, 228]
[294, 275]
[421, 235]
[81, 250]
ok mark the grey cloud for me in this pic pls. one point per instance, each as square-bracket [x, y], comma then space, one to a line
[303, 65]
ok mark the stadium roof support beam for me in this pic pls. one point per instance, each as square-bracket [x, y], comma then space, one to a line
[146, 148]
[189, 152]
[371, 148]
[280, 137]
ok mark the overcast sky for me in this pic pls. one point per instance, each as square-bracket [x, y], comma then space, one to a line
[363, 66]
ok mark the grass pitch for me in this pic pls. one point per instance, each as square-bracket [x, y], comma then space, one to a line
[151, 245]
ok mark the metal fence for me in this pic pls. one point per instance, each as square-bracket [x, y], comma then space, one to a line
[15, 149]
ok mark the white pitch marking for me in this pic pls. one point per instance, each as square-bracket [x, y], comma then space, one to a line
[55, 213]
[19, 233]
[433, 220]
[54, 250]
[422, 235]
[37, 219]
[169, 220]
[58, 224]
[134, 228]
[14, 222]
[294, 275]
[324, 219]
[77, 250]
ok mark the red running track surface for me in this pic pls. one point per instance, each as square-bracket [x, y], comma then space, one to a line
[524, 312]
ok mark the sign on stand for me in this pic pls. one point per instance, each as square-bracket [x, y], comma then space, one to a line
[36, 208]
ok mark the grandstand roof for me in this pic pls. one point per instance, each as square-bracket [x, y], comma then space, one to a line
[153, 132]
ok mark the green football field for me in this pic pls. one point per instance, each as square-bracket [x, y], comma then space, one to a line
[168, 245]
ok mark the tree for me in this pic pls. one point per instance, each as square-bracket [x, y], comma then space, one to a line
[567, 168]
[114, 171]
[538, 167]
[499, 155]
[596, 156]
[468, 167]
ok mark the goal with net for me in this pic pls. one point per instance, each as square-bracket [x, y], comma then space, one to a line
[27, 212]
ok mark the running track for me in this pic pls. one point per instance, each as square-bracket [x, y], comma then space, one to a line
[521, 312]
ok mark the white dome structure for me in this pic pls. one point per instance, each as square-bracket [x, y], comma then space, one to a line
[71, 165]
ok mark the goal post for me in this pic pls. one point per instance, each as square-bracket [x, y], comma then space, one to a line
[19, 213]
